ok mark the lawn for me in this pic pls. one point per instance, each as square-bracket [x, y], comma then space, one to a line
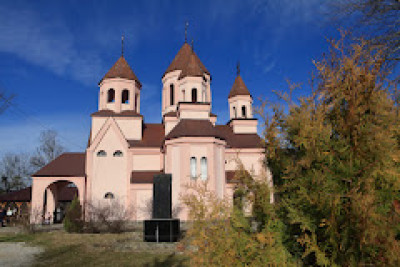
[126, 249]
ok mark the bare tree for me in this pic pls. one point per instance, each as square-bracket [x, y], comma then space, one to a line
[15, 172]
[49, 149]
[378, 20]
[5, 100]
[110, 215]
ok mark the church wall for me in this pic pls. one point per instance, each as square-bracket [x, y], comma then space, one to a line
[131, 127]
[238, 102]
[147, 162]
[109, 173]
[188, 83]
[118, 85]
[169, 124]
[250, 158]
[141, 199]
[178, 155]
[97, 123]
[242, 128]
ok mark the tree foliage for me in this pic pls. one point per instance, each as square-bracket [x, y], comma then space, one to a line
[334, 156]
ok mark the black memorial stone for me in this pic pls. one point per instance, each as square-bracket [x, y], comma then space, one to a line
[162, 196]
[161, 230]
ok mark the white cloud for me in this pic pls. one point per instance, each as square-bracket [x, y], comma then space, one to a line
[46, 43]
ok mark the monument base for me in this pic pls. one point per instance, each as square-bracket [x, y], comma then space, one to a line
[161, 230]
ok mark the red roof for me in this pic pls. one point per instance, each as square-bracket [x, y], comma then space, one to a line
[67, 193]
[153, 136]
[239, 140]
[194, 128]
[121, 69]
[110, 113]
[66, 165]
[143, 177]
[188, 62]
[239, 88]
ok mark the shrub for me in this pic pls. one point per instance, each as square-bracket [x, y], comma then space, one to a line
[109, 216]
[223, 235]
[73, 222]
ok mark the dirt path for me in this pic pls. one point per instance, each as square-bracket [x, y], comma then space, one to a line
[17, 254]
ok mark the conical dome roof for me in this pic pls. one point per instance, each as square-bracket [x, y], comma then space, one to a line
[121, 69]
[239, 88]
[188, 62]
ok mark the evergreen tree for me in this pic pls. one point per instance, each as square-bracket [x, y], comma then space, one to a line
[335, 156]
[73, 222]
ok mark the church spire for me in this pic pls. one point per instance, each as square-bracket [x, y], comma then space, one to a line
[238, 68]
[122, 45]
[186, 28]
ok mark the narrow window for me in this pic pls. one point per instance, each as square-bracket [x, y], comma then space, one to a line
[204, 95]
[109, 195]
[183, 96]
[101, 153]
[193, 168]
[125, 96]
[243, 111]
[194, 95]
[118, 153]
[111, 95]
[136, 103]
[171, 94]
[234, 113]
[204, 170]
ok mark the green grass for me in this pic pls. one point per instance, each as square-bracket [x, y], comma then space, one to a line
[63, 249]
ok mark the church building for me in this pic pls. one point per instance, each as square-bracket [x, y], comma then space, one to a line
[124, 152]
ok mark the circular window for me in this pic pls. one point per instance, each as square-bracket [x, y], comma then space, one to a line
[109, 195]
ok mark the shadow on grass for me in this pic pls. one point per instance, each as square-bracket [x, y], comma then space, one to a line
[170, 260]
[16, 238]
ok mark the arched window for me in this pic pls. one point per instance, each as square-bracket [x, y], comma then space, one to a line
[204, 170]
[243, 111]
[193, 167]
[109, 195]
[125, 96]
[101, 153]
[118, 153]
[171, 94]
[234, 112]
[111, 95]
[194, 95]
[183, 96]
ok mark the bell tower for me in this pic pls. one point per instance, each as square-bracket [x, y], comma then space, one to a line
[120, 88]
[119, 100]
[241, 107]
[186, 92]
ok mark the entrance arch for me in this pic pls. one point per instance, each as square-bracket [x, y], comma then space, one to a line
[47, 193]
[57, 197]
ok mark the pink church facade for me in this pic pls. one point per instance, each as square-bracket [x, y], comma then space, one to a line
[124, 153]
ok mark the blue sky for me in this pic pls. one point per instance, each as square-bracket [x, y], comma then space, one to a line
[53, 54]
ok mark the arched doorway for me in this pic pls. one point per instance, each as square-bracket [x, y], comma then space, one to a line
[52, 195]
[56, 200]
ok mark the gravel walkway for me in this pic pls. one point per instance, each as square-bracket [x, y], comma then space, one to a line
[17, 254]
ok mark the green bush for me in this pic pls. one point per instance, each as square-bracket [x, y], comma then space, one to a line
[73, 222]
